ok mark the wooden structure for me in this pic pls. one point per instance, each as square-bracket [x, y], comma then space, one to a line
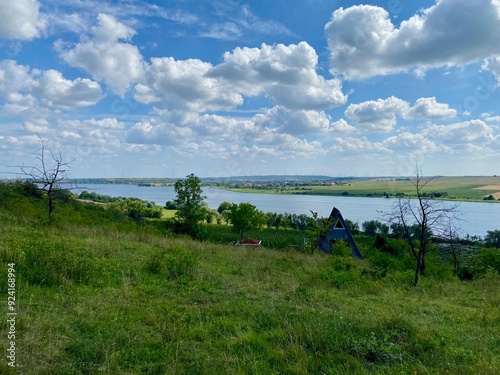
[247, 242]
[337, 231]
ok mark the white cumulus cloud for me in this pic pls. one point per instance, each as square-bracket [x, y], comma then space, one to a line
[493, 65]
[462, 133]
[364, 42]
[414, 143]
[377, 115]
[287, 74]
[297, 122]
[13, 79]
[430, 109]
[357, 146]
[24, 87]
[21, 20]
[56, 91]
[161, 133]
[185, 84]
[381, 115]
[456, 138]
[105, 56]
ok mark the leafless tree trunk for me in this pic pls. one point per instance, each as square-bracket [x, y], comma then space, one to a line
[420, 219]
[49, 172]
[452, 241]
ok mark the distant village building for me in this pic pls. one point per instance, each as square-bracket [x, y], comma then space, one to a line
[338, 231]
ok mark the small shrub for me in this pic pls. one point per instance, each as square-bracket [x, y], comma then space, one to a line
[383, 261]
[342, 272]
[489, 258]
[389, 246]
[154, 264]
[465, 273]
[437, 268]
[341, 248]
[487, 261]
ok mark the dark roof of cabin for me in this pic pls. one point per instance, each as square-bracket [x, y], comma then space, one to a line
[335, 213]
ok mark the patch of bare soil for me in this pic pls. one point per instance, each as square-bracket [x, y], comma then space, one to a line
[488, 187]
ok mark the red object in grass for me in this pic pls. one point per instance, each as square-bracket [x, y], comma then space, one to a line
[249, 242]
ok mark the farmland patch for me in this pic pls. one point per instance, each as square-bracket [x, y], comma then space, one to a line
[488, 187]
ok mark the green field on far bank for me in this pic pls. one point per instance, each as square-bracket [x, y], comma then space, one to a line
[459, 188]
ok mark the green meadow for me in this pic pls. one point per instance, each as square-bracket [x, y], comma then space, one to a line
[97, 293]
[460, 188]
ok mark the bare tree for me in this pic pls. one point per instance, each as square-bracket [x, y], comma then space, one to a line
[455, 249]
[420, 219]
[48, 173]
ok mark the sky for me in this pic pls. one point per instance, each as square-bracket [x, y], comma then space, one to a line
[222, 88]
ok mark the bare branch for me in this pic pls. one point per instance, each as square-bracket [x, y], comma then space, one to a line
[49, 172]
[421, 219]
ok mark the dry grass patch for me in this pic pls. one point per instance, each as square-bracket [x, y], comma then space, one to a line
[488, 187]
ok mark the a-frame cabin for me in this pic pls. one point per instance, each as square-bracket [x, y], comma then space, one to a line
[338, 231]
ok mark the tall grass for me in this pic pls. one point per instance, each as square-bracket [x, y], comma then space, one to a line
[116, 299]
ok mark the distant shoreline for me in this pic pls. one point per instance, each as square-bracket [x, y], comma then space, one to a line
[369, 195]
[457, 189]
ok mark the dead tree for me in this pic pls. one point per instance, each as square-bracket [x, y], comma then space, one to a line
[48, 173]
[420, 219]
[455, 249]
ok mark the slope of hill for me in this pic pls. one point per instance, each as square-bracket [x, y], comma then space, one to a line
[97, 295]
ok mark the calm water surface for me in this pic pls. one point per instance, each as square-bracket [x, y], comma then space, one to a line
[478, 217]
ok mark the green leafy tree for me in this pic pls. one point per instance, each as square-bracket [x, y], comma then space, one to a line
[341, 248]
[273, 219]
[318, 227]
[245, 216]
[373, 227]
[353, 226]
[30, 189]
[493, 238]
[189, 202]
[210, 214]
[138, 209]
[299, 221]
[170, 205]
[270, 217]
[286, 220]
[223, 207]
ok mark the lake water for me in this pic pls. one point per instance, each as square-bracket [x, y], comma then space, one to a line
[477, 217]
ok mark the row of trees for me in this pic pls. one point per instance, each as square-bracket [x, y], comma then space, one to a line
[191, 210]
[418, 221]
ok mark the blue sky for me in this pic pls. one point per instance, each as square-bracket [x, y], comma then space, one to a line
[223, 88]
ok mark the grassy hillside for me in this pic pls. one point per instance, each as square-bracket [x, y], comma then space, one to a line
[99, 295]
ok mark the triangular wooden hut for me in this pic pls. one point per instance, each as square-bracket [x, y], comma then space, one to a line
[338, 231]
